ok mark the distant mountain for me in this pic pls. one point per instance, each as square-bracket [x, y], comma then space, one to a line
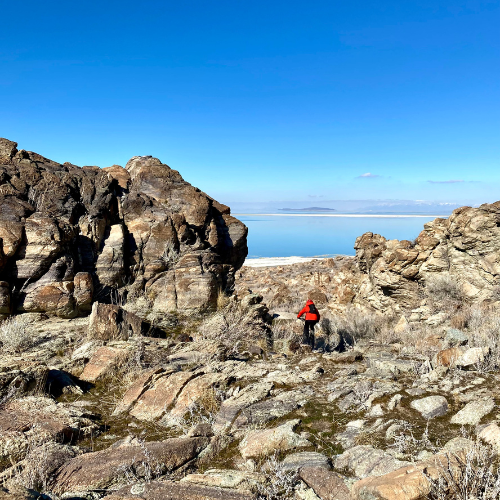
[310, 209]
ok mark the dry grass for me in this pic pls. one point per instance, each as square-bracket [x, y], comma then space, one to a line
[484, 331]
[356, 324]
[15, 335]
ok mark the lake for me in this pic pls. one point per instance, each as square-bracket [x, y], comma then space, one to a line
[321, 236]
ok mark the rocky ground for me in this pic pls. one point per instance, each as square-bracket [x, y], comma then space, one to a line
[191, 416]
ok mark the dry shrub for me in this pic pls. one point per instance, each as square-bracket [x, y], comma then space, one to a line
[15, 334]
[280, 484]
[473, 475]
[356, 324]
[484, 331]
[444, 292]
[234, 326]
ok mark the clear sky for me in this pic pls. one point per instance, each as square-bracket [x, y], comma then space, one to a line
[264, 100]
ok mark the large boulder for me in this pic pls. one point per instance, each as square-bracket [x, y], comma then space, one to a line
[71, 235]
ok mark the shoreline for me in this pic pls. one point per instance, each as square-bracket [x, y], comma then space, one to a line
[283, 261]
[394, 216]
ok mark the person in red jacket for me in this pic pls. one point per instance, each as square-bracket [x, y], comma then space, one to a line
[312, 317]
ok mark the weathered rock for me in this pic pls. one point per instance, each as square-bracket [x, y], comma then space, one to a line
[491, 435]
[135, 391]
[326, 484]
[111, 322]
[407, 483]
[167, 490]
[448, 357]
[196, 391]
[64, 229]
[267, 441]
[296, 461]
[106, 468]
[473, 412]
[155, 402]
[36, 420]
[365, 461]
[472, 357]
[232, 406]
[103, 361]
[226, 478]
[431, 406]
[265, 411]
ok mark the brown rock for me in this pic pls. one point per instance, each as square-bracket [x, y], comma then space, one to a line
[448, 357]
[168, 490]
[84, 290]
[106, 468]
[135, 391]
[64, 228]
[104, 360]
[42, 419]
[111, 322]
[326, 484]
[4, 298]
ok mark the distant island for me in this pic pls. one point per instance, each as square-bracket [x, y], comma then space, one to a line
[310, 209]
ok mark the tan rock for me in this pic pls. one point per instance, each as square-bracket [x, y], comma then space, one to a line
[158, 399]
[491, 435]
[101, 364]
[110, 264]
[196, 391]
[268, 441]
[135, 391]
[84, 290]
[449, 357]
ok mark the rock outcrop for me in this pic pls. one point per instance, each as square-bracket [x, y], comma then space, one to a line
[140, 235]
[387, 274]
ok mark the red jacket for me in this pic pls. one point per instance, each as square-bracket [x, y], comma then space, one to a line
[309, 316]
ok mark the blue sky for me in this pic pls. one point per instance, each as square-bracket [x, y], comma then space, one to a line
[261, 101]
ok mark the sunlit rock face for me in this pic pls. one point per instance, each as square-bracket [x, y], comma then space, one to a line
[139, 235]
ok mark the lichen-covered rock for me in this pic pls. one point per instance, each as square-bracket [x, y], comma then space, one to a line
[111, 467]
[169, 490]
[70, 234]
[265, 442]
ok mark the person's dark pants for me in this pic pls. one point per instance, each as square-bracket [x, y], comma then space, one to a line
[308, 337]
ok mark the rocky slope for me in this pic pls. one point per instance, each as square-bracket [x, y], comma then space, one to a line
[71, 235]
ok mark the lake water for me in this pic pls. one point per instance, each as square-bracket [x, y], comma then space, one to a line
[315, 236]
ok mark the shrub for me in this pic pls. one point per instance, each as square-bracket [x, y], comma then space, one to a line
[235, 327]
[15, 335]
[280, 484]
[466, 476]
[355, 325]
[444, 291]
